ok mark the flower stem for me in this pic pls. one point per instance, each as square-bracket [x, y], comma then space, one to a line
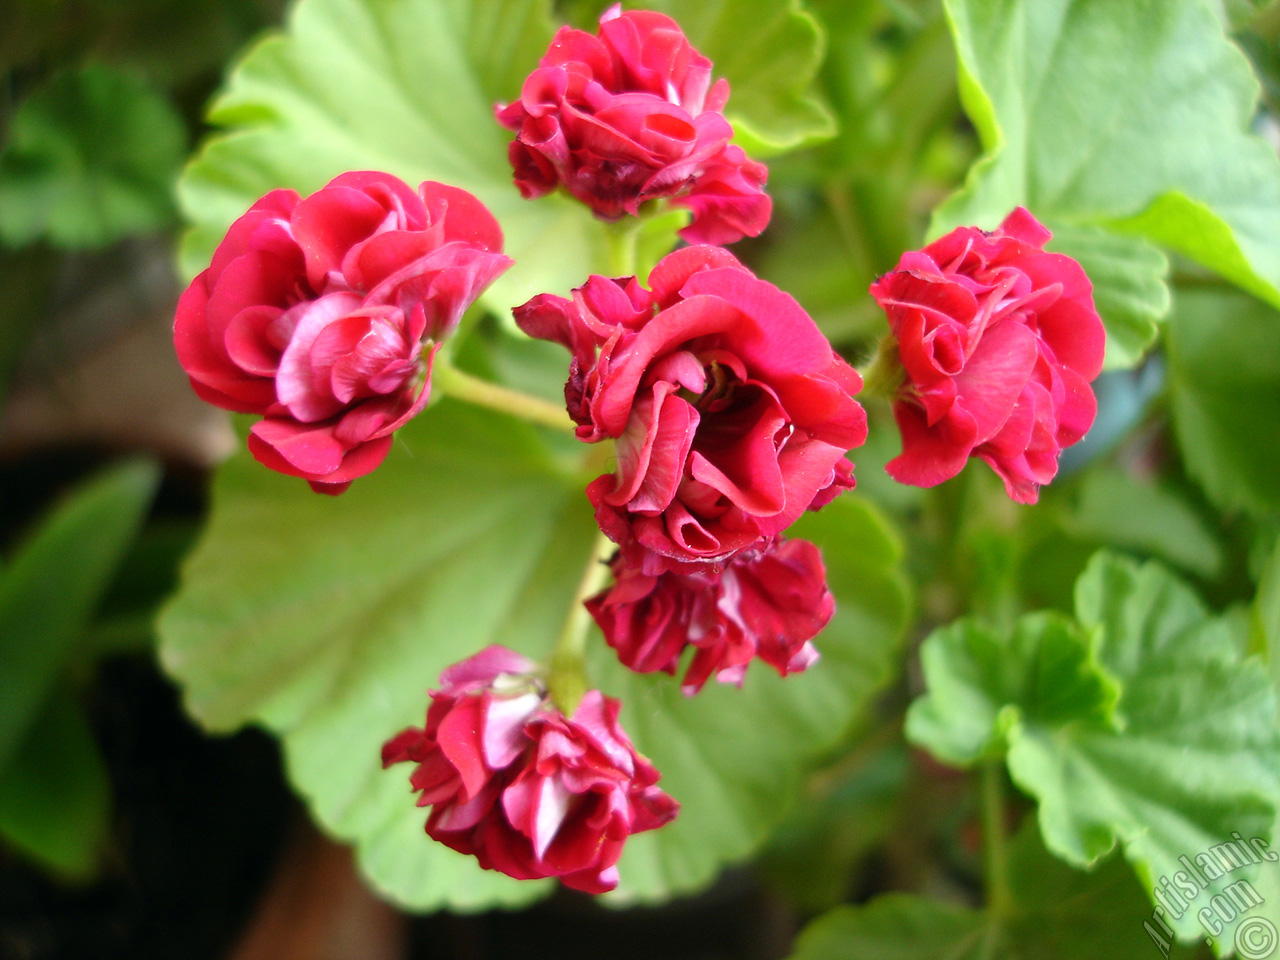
[567, 681]
[451, 381]
[999, 892]
[623, 239]
[884, 374]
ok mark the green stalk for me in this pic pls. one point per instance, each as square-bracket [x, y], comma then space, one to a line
[567, 680]
[452, 382]
[622, 242]
[996, 844]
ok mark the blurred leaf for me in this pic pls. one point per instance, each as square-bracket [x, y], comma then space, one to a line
[54, 582]
[1059, 914]
[1128, 277]
[770, 51]
[1190, 754]
[1119, 510]
[1266, 616]
[91, 158]
[1224, 372]
[896, 926]
[1130, 116]
[812, 856]
[327, 620]
[54, 793]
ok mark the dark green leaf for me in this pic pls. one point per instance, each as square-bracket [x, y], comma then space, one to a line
[53, 584]
[1224, 379]
[92, 157]
[54, 794]
[1116, 509]
[1058, 914]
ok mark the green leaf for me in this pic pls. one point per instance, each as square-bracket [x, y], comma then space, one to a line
[1128, 277]
[770, 52]
[1189, 755]
[1124, 512]
[896, 926]
[1059, 914]
[328, 619]
[92, 157]
[1266, 616]
[53, 584]
[1133, 117]
[1224, 367]
[985, 690]
[400, 86]
[843, 816]
[54, 793]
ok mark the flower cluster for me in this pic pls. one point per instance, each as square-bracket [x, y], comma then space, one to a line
[526, 790]
[315, 311]
[631, 115]
[728, 410]
[731, 416]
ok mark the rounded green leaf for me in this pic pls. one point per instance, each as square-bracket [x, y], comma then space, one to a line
[327, 619]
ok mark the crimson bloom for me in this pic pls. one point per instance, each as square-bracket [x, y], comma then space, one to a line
[524, 789]
[315, 311]
[998, 342]
[631, 115]
[732, 413]
[767, 603]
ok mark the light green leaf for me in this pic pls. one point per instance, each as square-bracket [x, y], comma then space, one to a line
[52, 585]
[770, 52]
[1059, 914]
[91, 157]
[984, 689]
[1190, 755]
[1132, 116]
[328, 619]
[1224, 372]
[1129, 288]
[402, 86]
[54, 793]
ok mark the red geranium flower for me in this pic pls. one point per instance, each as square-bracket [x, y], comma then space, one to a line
[315, 311]
[999, 342]
[523, 788]
[732, 413]
[766, 603]
[631, 115]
